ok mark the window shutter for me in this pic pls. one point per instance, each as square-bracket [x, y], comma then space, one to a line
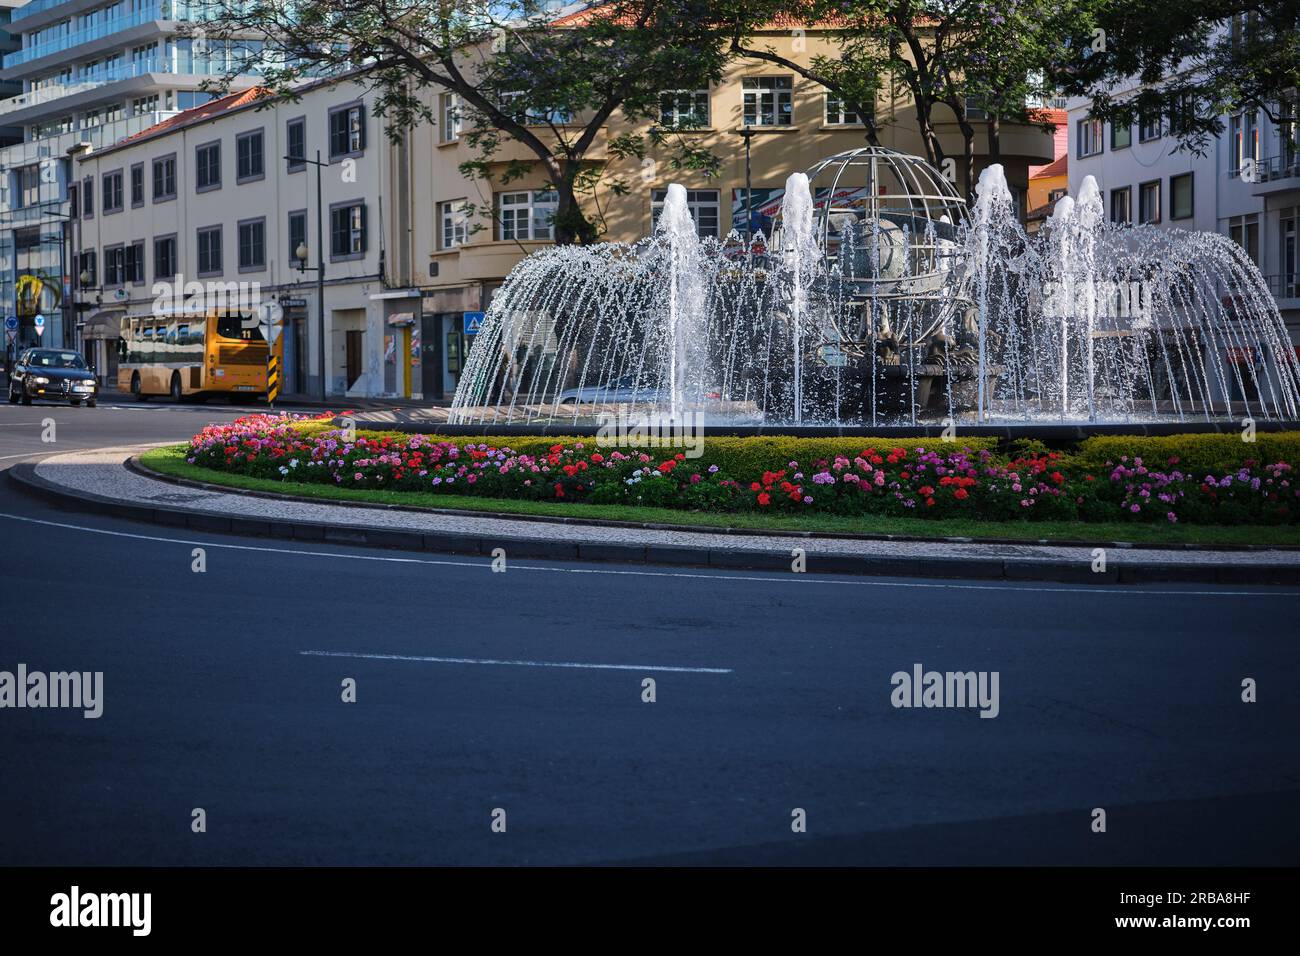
[361, 133]
[365, 229]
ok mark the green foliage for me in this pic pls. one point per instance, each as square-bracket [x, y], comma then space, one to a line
[1213, 454]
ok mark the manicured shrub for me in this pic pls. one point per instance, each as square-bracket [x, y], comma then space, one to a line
[1217, 453]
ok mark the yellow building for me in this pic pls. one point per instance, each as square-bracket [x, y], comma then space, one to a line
[793, 123]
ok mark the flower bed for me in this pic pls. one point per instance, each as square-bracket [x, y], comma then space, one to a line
[879, 479]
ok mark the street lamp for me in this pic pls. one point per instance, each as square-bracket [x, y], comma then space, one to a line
[747, 133]
[300, 254]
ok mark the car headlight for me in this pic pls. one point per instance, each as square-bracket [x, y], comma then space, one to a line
[88, 381]
[41, 380]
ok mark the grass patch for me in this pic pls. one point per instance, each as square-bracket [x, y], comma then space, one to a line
[171, 461]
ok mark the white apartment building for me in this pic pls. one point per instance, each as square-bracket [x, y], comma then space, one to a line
[1246, 186]
[225, 196]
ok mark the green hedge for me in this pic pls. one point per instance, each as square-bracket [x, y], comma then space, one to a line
[741, 457]
[1209, 453]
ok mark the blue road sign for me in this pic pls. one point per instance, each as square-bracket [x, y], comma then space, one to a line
[11, 321]
[473, 322]
[39, 322]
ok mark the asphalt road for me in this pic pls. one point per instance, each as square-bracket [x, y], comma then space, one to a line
[222, 691]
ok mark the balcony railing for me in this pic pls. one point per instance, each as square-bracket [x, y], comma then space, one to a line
[105, 28]
[87, 81]
[33, 7]
[1284, 285]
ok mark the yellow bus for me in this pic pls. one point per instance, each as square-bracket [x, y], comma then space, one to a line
[200, 354]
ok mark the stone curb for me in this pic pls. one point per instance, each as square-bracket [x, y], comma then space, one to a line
[24, 476]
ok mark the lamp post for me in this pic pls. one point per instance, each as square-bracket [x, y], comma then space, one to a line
[747, 134]
[300, 254]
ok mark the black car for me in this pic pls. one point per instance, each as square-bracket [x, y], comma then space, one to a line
[55, 375]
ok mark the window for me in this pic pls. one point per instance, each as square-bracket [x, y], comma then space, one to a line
[209, 241]
[164, 258]
[454, 224]
[527, 215]
[1121, 137]
[535, 114]
[1089, 134]
[838, 114]
[1180, 196]
[114, 265]
[297, 234]
[137, 185]
[768, 100]
[450, 117]
[295, 137]
[133, 267]
[252, 245]
[249, 156]
[74, 200]
[1121, 206]
[1243, 139]
[1244, 231]
[87, 265]
[207, 167]
[703, 205]
[347, 131]
[348, 230]
[1288, 223]
[1149, 128]
[88, 198]
[1149, 202]
[112, 201]
[164, 178]
[684, 109]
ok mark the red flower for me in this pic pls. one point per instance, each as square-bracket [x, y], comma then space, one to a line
[598, 458]
[754, 486]
[765, 499]
[961, 494]
[929, 502]
[925, 490]
[559, 490]
[1058, 477]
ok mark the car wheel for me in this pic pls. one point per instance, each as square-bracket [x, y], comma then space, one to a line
[27, 399]
[76, 403]
[177, 394]
[13, 396]
[91, 402]
[136, 388]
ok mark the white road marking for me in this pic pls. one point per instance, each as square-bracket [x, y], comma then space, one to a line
[473, 660]
[774, 577]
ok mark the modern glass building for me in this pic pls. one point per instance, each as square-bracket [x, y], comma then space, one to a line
[84, 72]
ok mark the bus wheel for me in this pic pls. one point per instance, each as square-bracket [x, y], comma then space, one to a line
[177, 394]
[140, 396]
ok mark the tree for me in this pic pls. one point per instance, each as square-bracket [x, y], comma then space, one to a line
[519, 74]
[1193, 61]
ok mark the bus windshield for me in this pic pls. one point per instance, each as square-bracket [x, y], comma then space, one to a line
[236, 326]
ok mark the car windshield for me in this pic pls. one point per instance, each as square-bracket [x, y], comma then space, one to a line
[52, 359]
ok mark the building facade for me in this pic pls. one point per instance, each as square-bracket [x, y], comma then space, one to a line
[1246, 186]
[83, 72]
[222, 201]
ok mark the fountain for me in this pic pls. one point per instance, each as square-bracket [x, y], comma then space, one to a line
[879, 299]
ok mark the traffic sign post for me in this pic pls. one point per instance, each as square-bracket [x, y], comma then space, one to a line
[39, 323]
[473, 321]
